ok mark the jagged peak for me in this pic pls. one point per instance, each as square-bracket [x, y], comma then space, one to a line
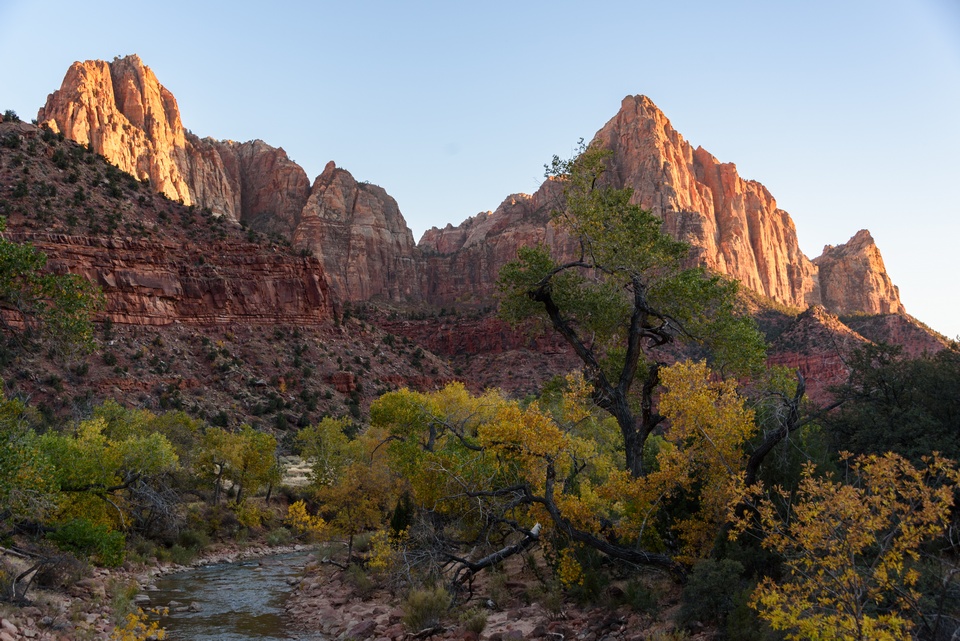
[131, 58]
[858, 243]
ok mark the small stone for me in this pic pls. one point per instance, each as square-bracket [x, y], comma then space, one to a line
[363, 630]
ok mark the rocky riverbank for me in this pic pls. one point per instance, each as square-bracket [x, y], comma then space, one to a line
[87, 609]
[327, 600]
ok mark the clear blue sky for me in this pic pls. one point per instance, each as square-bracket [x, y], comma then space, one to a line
[849, 112]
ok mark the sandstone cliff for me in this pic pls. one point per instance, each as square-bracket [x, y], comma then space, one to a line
[854, 280]
[462, 263]
[162, 282]
[122, 110]
[357, 231]
[125, 114]
[157, 262]
[733, 225]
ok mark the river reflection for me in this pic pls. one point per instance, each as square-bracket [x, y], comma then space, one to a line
[235, 601]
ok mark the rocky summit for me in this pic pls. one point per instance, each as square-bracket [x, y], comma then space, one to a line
[359, 234]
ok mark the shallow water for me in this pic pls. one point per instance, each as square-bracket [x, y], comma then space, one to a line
[237, 601]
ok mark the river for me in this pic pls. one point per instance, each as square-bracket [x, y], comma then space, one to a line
[235, 601]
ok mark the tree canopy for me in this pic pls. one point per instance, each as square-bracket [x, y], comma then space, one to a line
[57, 306]
[893, 403]
[628, 296]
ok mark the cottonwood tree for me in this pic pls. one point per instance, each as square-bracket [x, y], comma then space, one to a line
[490, 477]
[627, 296]
[246, 459]
[853, 548]
[27, 486]
[101, 478]
[57, 306]
[350, 479]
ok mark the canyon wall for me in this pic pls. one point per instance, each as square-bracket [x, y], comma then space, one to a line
[357, 231]
[361, 238]
[164, 282]
[733, 225]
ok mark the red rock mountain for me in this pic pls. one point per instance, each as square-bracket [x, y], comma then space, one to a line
[368, 253]
[173, 265]
[122, 110]
[853, 279]
[733, 225]
[357, 230]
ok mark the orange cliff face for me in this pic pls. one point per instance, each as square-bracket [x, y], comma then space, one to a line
[360, 236]
[733, 225]
[122, 110]
[854, 279]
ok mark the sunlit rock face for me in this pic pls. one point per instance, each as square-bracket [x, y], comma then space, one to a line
[123, 111]
[733, 225]
[853, 278]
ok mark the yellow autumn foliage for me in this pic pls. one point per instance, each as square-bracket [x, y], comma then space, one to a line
[852, 547]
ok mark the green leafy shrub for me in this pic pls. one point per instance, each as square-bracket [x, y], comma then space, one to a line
[193, 539]
[711, 589]
[98, 542]
[474, 620]
[279, 536]
[361, 542]
[639, 597]
[122, 594]
[363, 585]
[424, 609]
[181, 555]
